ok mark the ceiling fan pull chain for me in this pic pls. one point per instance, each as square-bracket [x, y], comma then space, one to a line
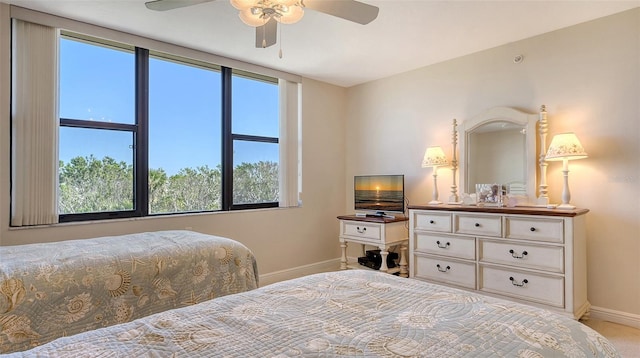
[264, 34]
[280, 42]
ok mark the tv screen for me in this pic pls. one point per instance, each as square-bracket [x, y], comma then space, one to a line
[379, 193]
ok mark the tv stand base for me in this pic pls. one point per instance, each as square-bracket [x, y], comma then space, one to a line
[378, 231]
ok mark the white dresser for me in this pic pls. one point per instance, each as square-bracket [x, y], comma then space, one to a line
[531, 255]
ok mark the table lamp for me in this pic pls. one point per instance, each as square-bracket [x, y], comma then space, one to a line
[434, 157]
[565, 147]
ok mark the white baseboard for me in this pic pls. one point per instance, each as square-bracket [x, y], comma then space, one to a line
[276, 276]
[624, 318]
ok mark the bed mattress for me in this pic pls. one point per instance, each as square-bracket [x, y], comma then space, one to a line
[62, 288]
[352, 313]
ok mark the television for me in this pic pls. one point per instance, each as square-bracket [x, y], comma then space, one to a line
[379, 194]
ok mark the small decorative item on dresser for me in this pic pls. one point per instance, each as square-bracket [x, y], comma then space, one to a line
[468, 199]
[489, 193]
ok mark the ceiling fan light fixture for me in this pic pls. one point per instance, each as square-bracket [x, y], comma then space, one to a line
[265, 15]
[243, 4]
[292, 15]
[285, 2]
[249, 18]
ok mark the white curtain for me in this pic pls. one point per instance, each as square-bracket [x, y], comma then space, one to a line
[34, 125]
[290, 145]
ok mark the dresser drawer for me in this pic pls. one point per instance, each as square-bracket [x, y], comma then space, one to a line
[445, 270]
[550, 230]
[541, 257]
[524, 285]
[432, 221]
[483, 225]
[362, 230]
[447, 245]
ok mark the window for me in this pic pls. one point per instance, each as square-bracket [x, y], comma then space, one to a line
[96, 170]
[103, 129]
[185, 136]
[144, 133]
[255, 139]
[97, 128]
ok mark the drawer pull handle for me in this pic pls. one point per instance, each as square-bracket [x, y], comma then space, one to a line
[532, 229]
[516, 256]
[443, 270]
[477, 225]
[361, 231]
[443, 246]
[431, 222]
[513, 282]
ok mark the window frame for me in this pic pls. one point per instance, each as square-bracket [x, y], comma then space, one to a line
[229, 137]
[140, 130]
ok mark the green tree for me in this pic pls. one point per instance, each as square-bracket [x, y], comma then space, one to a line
[191, 189]
[255, 183]
[158, 190]
[91, 185]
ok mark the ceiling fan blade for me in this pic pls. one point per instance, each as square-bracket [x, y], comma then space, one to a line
[267, 34]
[164, 5]
[351, 10]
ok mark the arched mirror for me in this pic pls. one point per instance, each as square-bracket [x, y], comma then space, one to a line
[499, 147]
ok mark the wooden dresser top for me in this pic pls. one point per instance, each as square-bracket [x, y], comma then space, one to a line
[373, 219]
[519, 210]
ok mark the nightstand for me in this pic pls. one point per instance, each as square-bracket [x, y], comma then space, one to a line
[375, 231]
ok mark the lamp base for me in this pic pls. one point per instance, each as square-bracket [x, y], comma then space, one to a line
[435, 202]
[566, 207]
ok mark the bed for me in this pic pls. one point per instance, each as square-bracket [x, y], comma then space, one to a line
[352, 313]
[62, 288]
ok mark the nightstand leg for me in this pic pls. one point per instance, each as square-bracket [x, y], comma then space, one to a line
[343, 259]
[383, 254]
[404, 272]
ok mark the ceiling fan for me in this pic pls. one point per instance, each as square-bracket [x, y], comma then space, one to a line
[264, 15]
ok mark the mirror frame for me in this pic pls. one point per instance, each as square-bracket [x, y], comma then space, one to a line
[503, 114]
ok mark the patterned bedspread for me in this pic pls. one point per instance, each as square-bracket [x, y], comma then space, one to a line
[59, 289]
[349, 314]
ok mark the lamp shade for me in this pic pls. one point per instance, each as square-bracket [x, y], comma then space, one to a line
[243, 4]
[292, 15]
[565, 146]
[285, 2]
[434, 157]
[249, 18]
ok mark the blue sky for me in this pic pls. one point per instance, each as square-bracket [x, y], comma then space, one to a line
[97, 83]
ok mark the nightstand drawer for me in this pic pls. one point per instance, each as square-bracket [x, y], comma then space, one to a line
[362, 230]
[549, 230]
[548, 258]
[524, 285]
[460, 247]
[444, 270]
[483, 225]
[432, 221]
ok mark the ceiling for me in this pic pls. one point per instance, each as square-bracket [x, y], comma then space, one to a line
[407, 34]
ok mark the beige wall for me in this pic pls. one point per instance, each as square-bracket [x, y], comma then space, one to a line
[280, 238]
[587, 75]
